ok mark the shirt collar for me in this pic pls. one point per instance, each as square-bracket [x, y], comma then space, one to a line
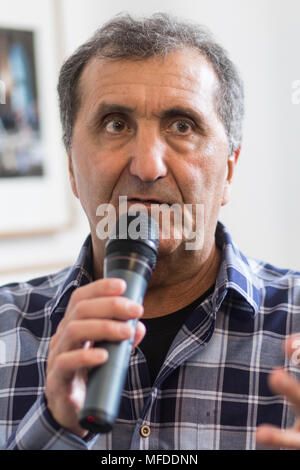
[79, 274]
[235, 274]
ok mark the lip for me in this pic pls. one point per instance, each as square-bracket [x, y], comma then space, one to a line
[146, 200]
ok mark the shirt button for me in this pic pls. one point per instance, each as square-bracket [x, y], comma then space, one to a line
[145, 431]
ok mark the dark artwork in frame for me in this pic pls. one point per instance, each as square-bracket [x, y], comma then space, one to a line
[21, 147]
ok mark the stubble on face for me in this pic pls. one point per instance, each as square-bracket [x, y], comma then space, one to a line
[192, 169]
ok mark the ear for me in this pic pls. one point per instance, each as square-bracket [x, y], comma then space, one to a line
[71, 176]
[231, 164]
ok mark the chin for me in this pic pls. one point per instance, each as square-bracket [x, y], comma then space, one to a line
[169, 246]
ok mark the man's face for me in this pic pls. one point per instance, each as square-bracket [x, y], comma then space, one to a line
[149, 130]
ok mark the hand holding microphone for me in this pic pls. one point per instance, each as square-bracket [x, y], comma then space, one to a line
[97, 312]
[131, 259]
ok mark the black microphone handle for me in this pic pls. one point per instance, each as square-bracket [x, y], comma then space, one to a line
[105, 383]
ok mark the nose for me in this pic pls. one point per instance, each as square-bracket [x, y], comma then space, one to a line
[148, 155]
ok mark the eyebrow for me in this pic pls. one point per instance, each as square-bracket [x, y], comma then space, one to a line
[175, 111]
[108, 108]
[183, 111]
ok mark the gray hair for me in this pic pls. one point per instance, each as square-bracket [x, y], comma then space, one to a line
[124, 37]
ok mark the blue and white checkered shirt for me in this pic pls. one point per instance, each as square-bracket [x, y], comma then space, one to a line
[211, 391]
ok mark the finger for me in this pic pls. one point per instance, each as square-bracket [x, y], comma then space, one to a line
[119, 308]
[278, 438]
[284, 384]
[99, 288]
[76, 333]
[69, 362]
[140, 332]
[292, 347]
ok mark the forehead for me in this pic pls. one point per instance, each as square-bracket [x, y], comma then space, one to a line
[184, 75]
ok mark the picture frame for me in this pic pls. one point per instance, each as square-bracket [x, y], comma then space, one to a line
[34, 189]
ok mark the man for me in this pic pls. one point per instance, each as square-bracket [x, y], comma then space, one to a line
[152, 110]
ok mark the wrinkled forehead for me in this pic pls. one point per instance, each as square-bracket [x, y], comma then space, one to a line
[185, 71]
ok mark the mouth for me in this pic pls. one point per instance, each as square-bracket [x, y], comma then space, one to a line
[146, 201]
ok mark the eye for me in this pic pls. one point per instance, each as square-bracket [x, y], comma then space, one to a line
[115, 125]
[181, 126]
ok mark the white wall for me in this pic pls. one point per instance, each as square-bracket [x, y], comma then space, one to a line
[263, 38]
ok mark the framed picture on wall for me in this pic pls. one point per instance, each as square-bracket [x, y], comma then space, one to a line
[34, 189]
[21, 146]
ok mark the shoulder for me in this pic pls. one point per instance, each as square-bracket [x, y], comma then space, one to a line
[269, 273]
[279, 284]
[29, 298]
[40, 285]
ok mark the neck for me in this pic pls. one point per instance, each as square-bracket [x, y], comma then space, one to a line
[180, 290]
[176, 282]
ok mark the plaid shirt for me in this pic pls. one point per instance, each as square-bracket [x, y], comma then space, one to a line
[211, 392]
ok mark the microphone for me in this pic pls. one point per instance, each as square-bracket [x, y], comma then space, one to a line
[129, 255]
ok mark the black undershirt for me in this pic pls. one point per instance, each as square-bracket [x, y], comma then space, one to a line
[161, 331]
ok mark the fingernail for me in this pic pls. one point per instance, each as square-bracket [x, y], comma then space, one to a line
[117, 284]
[101, 354]
[137, 309]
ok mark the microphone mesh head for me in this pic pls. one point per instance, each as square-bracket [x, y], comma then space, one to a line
[137, 234]
[139, 227]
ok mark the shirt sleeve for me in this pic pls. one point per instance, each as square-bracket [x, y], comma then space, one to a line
[39, 431]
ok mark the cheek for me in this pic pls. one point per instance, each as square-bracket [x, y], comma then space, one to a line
[214, 166]
[95, 170]
[203, 180]
[95, 180]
